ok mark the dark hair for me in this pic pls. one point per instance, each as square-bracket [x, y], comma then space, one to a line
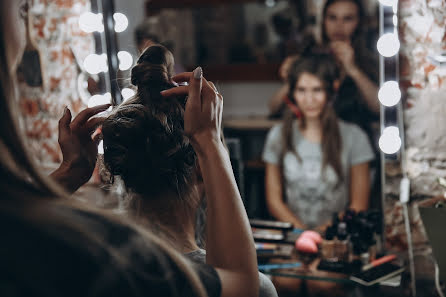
[142, 32]
[37, 213]
[323, 67]
[144, 140]
[358, 41]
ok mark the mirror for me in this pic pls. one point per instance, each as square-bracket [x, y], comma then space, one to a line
[247, 35]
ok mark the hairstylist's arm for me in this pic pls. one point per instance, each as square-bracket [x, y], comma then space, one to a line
[79, 148]
[359, 187]
[229, 242]
[369, 90]
[274, 197]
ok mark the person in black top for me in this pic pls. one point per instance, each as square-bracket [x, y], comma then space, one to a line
[145, 145]
[55, 246]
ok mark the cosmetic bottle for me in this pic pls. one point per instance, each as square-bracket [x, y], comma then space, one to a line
[328, 245]
[342, 244]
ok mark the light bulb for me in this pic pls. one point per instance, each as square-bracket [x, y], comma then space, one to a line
[390, 141]
[387, 2]
[389, 94]
[99, 100]
[121, 22]
[101, 147]
[127, 93]
[125, 60]
[395, 20]
[270, 3]
[90, 22]
[388, 45]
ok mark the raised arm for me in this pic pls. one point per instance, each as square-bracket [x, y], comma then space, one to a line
[359, 187]
[229, 242]
[274, 199]
[344, 52]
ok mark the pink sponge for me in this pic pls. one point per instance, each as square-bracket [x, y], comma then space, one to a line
[306, 245]
[317, 238]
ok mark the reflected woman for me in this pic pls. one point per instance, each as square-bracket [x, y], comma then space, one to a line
[317, 164]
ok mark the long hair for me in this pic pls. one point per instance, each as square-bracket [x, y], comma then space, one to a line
[35, 201]
[323, 67]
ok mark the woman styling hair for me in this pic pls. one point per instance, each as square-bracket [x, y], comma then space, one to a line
[55, 247]
[146, 145]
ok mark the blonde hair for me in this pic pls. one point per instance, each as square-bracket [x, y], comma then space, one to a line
[30, 196]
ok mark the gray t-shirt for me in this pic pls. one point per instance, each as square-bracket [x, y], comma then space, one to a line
[266, 287]
[311, 193]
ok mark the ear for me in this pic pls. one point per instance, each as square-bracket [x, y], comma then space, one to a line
[336, 85]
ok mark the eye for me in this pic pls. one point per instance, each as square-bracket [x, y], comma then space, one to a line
[24, 9]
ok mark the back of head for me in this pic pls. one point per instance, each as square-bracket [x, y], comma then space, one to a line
[144, 140]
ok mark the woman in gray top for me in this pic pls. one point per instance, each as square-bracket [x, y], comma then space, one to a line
[316, 163]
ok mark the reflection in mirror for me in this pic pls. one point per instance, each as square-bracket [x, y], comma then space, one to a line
[257, 32]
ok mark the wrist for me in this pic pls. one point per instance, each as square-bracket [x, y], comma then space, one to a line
[206, 142]
[352, 70]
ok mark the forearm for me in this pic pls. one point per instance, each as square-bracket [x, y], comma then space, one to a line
[229, 240]
[281, 212]
[68, 178]
[367, 88]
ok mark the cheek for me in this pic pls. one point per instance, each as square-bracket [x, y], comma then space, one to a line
[321, 99]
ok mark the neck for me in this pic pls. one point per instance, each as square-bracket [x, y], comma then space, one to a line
[313, 124]
[171, 218]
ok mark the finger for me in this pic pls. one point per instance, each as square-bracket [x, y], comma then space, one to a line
[97, 136]
[213, 86]
[64, 124]
[177, 91]
[87, 113]
[182, 77]
[93, 123]
[195, 88]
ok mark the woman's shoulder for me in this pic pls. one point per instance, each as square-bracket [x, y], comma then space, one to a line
[350, 130]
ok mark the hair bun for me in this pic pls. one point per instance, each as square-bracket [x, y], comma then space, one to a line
[154, 66]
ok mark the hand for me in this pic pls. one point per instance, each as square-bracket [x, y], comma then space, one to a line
[204, 107]
[79, 148]
[345, 54]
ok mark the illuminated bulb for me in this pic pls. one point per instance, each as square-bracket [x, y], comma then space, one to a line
[395, 20]
[388, 45]
[121, 22]
[101, 147]
[90, 22]
[95, 64]
[387, 2]
[270, 3]
[125, 60]
[127, 93]
[390, 141]
[99, 100]
[389, 94]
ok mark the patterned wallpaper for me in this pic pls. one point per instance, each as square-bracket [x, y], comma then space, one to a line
[422, 29]
[63, 46]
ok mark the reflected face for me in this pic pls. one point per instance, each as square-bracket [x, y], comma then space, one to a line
[13, 23]
[341, 20]
[310, 95]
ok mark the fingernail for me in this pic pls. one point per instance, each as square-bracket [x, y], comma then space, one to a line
[198, 73]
